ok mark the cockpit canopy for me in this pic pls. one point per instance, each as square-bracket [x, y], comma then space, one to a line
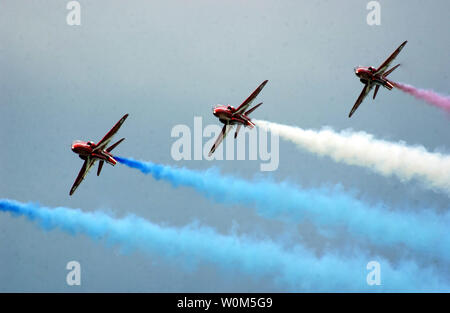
[82, 143]
[220, 109]
[76, 142]
[221, 106]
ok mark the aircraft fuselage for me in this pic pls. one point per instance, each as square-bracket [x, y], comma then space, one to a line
[86, 149]
[367, 74]
[226, 115]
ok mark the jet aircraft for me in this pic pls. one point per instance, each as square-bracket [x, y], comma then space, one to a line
[371, 77]
[91, 152]
[239, 116]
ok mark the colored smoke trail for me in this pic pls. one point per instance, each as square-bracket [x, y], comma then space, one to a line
[380, 156]
[293, 269]
[429, 96]
[425, 233]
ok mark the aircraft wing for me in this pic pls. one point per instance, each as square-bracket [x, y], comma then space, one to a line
[101, 145]
[84, 170]
[225, 130]
[243, 107]
[383, 67]
[361, 97]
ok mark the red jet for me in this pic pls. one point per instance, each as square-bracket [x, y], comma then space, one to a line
[91, 152]
[371, 76]
[230, 116]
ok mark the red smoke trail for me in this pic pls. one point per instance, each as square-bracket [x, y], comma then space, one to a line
[429, 96]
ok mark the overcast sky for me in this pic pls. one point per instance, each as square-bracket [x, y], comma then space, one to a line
[164, 62]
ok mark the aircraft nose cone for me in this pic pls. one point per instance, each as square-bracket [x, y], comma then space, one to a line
[74, 147]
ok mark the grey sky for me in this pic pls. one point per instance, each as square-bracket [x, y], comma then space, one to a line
[164, 62]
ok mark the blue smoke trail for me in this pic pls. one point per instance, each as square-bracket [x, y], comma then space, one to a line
[425, 233]
[295, 269]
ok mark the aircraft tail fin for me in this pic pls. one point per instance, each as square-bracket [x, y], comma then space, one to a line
[109, 149]
[114, 145]
[376, 91]
[253, 109]
[100, 166]
[391, 70]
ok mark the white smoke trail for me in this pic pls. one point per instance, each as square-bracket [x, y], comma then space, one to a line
[362, 149]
